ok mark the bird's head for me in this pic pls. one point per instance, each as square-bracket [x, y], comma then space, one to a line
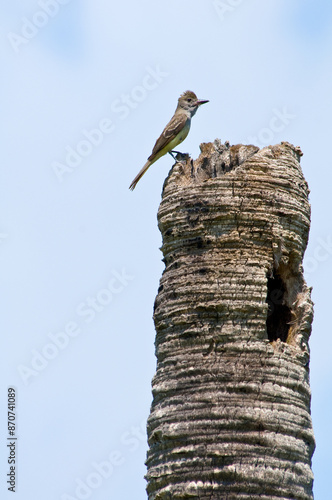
[189, 102]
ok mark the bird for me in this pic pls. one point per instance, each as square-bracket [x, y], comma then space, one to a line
[175, 131]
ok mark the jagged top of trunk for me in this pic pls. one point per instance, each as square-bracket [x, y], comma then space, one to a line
[216, 159]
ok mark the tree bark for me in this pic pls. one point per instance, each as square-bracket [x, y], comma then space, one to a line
[230, 417]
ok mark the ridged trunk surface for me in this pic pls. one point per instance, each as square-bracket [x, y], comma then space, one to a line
[230, 417]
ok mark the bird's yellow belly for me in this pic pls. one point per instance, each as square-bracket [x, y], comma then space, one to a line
[180, 137]
[174, 142]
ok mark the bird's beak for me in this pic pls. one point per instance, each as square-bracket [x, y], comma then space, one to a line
[199, 102]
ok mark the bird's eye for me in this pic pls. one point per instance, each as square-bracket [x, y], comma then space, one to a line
[190, 99]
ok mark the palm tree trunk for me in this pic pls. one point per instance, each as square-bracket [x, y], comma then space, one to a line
[230, 417]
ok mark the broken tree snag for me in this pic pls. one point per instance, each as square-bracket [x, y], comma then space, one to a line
[230, 417]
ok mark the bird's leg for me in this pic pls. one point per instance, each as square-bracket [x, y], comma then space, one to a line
[172, 155]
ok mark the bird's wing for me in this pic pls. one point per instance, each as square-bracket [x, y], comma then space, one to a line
[170, 131]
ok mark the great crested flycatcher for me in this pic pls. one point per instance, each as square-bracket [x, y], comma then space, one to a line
[175, 131]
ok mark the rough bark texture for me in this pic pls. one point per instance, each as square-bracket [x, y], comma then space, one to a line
[230, 417]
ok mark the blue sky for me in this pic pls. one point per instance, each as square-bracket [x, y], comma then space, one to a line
[87, 87]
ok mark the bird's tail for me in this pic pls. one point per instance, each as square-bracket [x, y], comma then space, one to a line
[140, 174]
